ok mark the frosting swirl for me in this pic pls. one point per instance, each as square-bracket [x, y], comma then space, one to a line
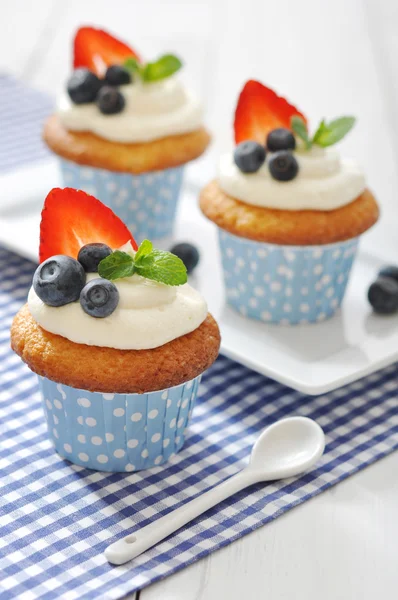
[324, 182]
[152, 111]
[149, 315]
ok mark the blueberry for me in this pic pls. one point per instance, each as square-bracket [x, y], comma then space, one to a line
[390, 271]
[83, 86]
[383, 295]
[91, 255]
[283, 166]
[109, 100]
[117, 75]
[249, 156]
[99, 298]
[188, 253]
[59, 280]
[280, 139]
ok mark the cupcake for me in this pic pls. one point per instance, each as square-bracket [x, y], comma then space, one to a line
[118, 339]
[124, 130]
[289, 212]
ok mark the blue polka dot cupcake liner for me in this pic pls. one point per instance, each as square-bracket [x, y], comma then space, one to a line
[287, 285]
[146, 203]
[117, 432]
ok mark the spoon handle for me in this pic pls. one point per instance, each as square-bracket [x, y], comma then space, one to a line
[136, 543]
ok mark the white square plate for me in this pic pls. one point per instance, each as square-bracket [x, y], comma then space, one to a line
[310, 358]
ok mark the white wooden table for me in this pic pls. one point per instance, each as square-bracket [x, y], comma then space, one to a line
[330, 57]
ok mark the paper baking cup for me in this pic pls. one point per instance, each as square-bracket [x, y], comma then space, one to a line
[285, 284]
[146, 203]
[117, 432]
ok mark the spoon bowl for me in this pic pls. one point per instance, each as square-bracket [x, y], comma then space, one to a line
[287, 448]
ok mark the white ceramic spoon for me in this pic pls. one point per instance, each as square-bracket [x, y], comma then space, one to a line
[284, 449]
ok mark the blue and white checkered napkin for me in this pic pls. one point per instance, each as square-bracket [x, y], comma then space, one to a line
[22, 112]
[56, 519]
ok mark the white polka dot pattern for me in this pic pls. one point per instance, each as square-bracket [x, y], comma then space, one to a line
[146, 203]
[118, 432]
[282, 284]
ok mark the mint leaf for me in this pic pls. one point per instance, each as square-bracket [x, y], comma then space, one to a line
[163, 267]
[300, 129]
[330, 133]
[132, 64]
[144, 249]
[164, 67]
[322, 131]
[117, 265]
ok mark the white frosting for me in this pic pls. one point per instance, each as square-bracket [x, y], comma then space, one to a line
[324, 182]
[152, 111]
[149, 314]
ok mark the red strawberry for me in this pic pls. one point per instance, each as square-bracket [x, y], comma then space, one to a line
[96, 49]
[71, 218]
[260, 110]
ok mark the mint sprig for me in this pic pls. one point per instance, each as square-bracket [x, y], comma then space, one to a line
[148, 262]
[327, 134]
[165, 66]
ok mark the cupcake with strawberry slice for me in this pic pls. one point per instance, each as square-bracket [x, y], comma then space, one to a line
[124, 129]
[118, 338]
[289, 211]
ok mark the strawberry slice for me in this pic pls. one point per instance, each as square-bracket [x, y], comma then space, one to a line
[96, 50]
[71, 218]
[259, 110]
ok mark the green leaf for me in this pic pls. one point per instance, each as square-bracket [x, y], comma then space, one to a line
[164, 67]
[144, 249]
[300, 129]
[117, 265]
[132, 64]
[163, 267]
[322, 130]
[330, 133]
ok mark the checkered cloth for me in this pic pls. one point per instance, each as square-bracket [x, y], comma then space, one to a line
[22, 113]
[56, 519]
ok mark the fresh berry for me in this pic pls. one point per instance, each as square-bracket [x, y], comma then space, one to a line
[259, 111]
[383, 295]
[83, 86]
[59, 280]
[188, 253]
[249, 156]
[390, 271]
[110, 101]
[71, 218]
[99, 298]
[280, 139]
[91, 255]
[96, 49]
[117, 75]
[283, 166]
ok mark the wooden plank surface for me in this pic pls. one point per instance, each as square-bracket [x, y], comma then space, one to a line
[330, 57]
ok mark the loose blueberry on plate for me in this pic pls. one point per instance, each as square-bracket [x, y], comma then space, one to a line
[280, 139]
[188, 253]
[99, 298]
[59, 280]
[91, 255]
[117, 75]
[389, 271]
[109, 100]
[83, 86]
[283, 166]
[383, 295]
[249, 156]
